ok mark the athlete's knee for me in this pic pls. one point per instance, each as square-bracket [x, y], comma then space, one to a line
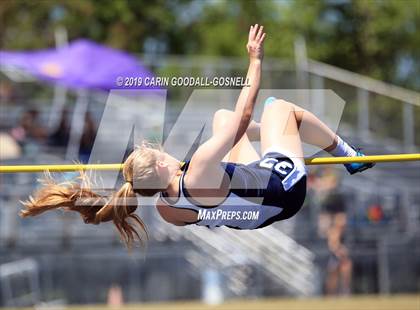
[283, 104]
[269, 101]
[221, 118]
[280, 106]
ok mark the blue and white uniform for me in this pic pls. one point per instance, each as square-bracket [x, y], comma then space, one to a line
[261, 193]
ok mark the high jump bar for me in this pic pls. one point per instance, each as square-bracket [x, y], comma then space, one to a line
[308, 161]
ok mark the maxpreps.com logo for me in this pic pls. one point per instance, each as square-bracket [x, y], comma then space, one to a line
[218, 215]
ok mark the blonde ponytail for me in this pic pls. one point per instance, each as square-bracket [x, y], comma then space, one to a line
[94, 208]
[123, 204]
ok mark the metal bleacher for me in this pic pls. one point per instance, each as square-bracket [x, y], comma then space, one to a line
[285, 261]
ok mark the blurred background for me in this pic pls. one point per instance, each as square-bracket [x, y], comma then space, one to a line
[354, 236]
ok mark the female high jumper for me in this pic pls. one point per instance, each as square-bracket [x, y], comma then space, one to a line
[224, 182]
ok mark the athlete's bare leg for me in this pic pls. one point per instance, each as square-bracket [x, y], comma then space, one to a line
[279, 129]
[311, 129]
[243, 152]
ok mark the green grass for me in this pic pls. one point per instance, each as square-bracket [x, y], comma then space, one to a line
[393, 302]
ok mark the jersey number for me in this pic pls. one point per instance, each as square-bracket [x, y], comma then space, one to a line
[282, 167]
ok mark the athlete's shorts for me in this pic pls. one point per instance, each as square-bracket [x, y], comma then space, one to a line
[287, 186]
[290, 173]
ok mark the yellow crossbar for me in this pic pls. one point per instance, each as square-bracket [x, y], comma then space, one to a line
[364, 159]
[308, 161]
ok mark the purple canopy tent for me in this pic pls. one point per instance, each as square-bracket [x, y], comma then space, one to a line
[82, 66]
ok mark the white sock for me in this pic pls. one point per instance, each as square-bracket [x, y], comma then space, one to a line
[343, 149]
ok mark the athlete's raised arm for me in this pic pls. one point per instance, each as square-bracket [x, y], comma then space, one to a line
[209, 155]
[255, 50]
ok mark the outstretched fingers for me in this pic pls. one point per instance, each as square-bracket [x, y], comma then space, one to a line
[256, 34]
[253, 32]
[261, 40]
[259, 33]
[255, 41]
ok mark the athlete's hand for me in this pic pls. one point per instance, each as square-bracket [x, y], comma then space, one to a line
[256, 42]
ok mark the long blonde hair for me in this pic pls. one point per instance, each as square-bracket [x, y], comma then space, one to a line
[77, 195]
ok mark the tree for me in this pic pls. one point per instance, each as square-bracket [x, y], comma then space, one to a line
[373, 37]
